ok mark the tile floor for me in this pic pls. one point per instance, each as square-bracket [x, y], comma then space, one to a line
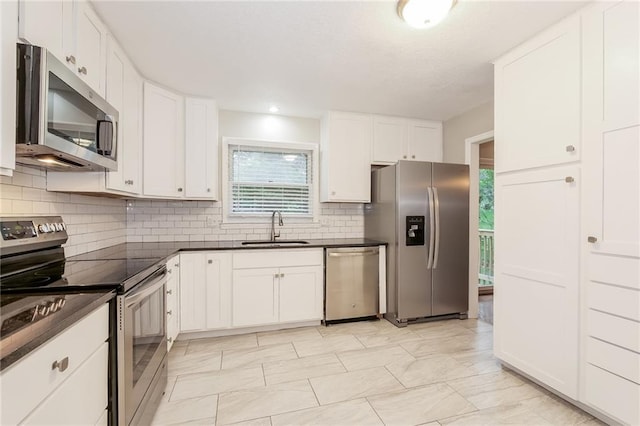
[362, 373]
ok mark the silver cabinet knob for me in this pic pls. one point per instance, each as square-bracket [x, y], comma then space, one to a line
[169, 339]
[413, 156]
[169, 312]
[83, 70]
[569, 179]
[61, 365]
[169, 291]
[208, 189]
[333, 192]
[70, 59]
[404, 156]
[179, 189]
[177, 265]
[210, 261]
[592, 240]
[570, 148]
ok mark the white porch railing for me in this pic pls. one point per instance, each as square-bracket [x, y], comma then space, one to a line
[485, 270]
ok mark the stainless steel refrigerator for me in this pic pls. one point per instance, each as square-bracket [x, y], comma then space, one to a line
[422, 210]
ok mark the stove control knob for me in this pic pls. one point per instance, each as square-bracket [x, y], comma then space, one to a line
[52, 227]
[55, 227]
[52, 306]
[43, 228]
[43, 310]
[58, 227]
[63, 227]
[60, 302]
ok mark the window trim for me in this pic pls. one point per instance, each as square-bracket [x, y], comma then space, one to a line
[271, 144]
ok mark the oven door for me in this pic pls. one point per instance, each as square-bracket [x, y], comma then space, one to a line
[143, 344]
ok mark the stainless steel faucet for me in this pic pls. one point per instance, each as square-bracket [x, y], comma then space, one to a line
[273, 224]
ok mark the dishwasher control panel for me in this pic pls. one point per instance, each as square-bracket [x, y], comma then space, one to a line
[415, 230]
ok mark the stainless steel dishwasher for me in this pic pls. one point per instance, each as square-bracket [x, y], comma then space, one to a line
[351, 282]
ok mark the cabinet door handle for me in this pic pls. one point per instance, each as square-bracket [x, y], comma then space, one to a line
[169, 291]
[179, 189]
[570, 148]
[569, 179]
[592, 240]
[61, 365]
[281, 275]
[169, 339]
[208, 189]
[413, 156]
[177, 265]
[404, 156]
[169, 312]
[71, 59]
[83, 70]
[210, 261]
[168, 271]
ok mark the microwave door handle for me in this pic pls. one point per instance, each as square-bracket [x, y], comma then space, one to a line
[104, 136]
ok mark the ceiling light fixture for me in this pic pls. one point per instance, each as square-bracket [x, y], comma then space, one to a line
[424, 13]
[274, 109]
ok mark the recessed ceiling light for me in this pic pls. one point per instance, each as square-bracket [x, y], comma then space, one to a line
[424, 13]
[274, 109]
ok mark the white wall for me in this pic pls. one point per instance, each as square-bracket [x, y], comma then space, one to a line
[92, 222]
[471, 123]
[156, 220]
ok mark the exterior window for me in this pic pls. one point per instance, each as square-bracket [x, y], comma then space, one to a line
[262, 179]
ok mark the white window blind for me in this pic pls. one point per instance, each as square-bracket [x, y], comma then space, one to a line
[263, 179]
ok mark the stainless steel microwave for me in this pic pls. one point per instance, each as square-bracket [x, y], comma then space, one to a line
[62, 123]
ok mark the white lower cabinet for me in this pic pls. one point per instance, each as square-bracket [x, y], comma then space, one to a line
[62, 382]
[277, 286]
[205, 280]
[173, 300]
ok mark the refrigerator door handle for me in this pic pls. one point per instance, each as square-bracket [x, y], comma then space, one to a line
[436, 251]
[431, 228]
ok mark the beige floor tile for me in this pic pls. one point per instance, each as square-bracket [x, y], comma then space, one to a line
[388, 336]
[178, 412]
[263, 421]
[287, 336]
[326, 345]
[357, 412]
[429, 424]
[237, 358]
[481, 362]
[353, 385]
[214, 344]
[493, 389]
[214, 382]
[420, 405]
[515, 414]
[557, 411]
[302, 368]
[197, 362]
[433, 369]
[440, 329]
[476, 325]
[462, 343]
[255, 403]
[373, 357]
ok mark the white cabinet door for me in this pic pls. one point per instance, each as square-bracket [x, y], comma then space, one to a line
[193, 294]
[115, 93]
[8, 29]
[537, 264]
[537, 91]
[218, 282]
[201, 148]
[163, 142]
[300, 293]
[345, 157]
[255, 296]
[48, 24]
[611, 209]
[131, 147]
[173, 300]
[389, 139]
[91, 45]
[81, 399]
[424, 140]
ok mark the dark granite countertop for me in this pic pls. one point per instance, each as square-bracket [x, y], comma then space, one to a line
[15, 346]
[163, 250]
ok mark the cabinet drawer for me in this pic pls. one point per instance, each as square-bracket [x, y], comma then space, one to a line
[613, 395]
[623, 302]
[80, 400]
[614, 359]
[277, 258]
[616, 330]
[28, 382]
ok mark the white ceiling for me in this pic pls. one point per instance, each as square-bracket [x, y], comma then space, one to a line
[311, 56]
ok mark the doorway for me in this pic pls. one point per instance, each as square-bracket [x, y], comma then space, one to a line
[479, 156]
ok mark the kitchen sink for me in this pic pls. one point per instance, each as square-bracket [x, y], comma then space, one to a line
[274, 243]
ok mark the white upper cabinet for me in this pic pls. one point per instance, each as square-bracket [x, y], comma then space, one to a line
[8, 31]
[537, 94]
[163, 144]
[397, 138]
[345, 157]
[201, 148]
[72, 31]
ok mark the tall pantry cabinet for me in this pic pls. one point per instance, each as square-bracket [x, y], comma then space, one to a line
[568, 209]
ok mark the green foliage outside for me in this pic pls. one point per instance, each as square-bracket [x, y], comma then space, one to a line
[486, 199]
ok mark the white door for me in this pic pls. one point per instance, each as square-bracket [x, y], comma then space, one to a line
[91, 45]
[424, 141]
[201, 148]
[301, 295]
[536, 274]
[255, 296]
[218, 283]
[611, 207]
[163, 142]
[389, 139]
[193, 292]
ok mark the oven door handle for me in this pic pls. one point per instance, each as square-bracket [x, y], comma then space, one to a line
[135, 298]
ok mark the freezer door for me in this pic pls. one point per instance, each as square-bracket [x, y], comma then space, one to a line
[413, 276]
[451, 257]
